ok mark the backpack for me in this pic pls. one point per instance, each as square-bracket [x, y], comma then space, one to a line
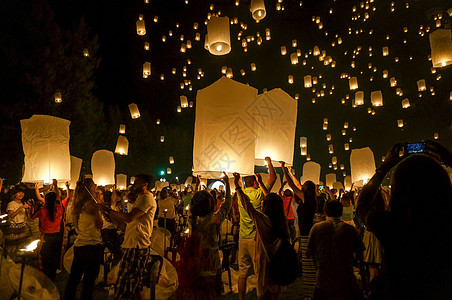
[283, 268]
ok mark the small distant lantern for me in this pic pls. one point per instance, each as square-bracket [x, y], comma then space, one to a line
[347, 146]
[400, 123]
[253, 67]
[146, 46]
[141, 29]
[85, 52]
[122, 145]
[162, 138]
[316, 51]
[307, 81]
[328, 137]
[334, 160]
[257, 8]
[303, 142]
[283, 50]
[441, 47]
[122, 129]
[242, 72]
[183, 101]
[385, 74]
[218, 39]
[385, 51]
[171, 160]
[57, 97]
[421, 86]
[393, 82]
[147, 68]
[190, 104]
[168, 171]
[346, 125]
[229, 73]
[359, 98]
[353, 83]
[294, 58]
[405, 103]
[376, 97]
[134, 112]
[290, 79]
[436, 136]
[330, 149]
[179, 109]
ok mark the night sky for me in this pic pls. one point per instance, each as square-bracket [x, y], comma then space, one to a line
[402, 26]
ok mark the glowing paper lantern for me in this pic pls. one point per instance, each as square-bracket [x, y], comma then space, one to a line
[229, 73]
[224, 138]
[147, 68]
[141, 29]
[85, 52]
[122, 129]
[45, 142]
[183, 101]
[257, 8]
[330, 149]
[385, 51]
[338, 186]
[400, 123]
[330, 178]
[376, 97]
[121, 181]
[353, 83]
[311, 171]
[218, 40]
[307, 81]
[283, 50]
[76, 166]
[436, 135]
[359, 98]
[348, 182]
[393, 82]
[58, 97]
[275, 132]
[171, 160]
[168, 171]
[290, 79]
[303, 142]
[421, 85]
[162, 138]
[316, 51]
[441, 47]
[122, 145]
[146, 46]
[362, 164]
[134, 112]
[294, 58]
[405, 103]
[103, 167]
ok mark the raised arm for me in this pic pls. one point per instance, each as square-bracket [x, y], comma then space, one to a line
[198, 183]
[271, 171]
[282, 188]
[261, 184]
[297, 191]
[294, 179]
[245, 200]
[222, 213]
[38, 195]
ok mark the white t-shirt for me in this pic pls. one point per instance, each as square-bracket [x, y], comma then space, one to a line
[20, 217]
[139, 231]
[168, 204]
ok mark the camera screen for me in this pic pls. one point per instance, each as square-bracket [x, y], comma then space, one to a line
[415, 147]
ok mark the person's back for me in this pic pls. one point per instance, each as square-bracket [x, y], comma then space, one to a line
[138, 231]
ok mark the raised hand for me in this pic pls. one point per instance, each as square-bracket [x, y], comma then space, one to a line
[392, 158]
[283, 164]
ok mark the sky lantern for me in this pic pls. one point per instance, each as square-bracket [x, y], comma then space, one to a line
[347, 182]
[229, 73]
[122, 129]
[146, 46]
[393, 82]
[436, 135]
[147, 69]
[362, 165]
[385, 73]
[441, 47]
[253, 67]
[307, 81]
[400, 123]
[359, 98]
[157, 122]
[134, 112]
[316, 51]
[162, 138]
[385, 51]
[405, 103]
[76, 166]
[45, 143]
[85, 52]
[57, 96]
[283, 50]
[141, 29]
[421, 85]
[376, 97]
[330, 178]
[168, 171]
[303, 142]
[121, 181]
[311, 171]
[334, 160]
[290, 79]
[122, 145]
[345, 125]
[328, 137]
[330, 149]
[218, 39]
[257, 8]
[183, 101]
[353, 83]
[103, 167]
[179, 109]
[294, 58]
[275, 134]
[171, 160]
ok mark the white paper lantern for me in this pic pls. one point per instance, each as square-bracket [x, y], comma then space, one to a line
[405, 103]
[121, 181]
[400, 123]
[122, 145]
[359, 98]
[347, 146]
[257, 8]
[303, 142]
[316, 51]
[330, 149]
[183, 101]
[441, 48]
[171, 160]
[103, 167]
[134, 112]
[162, 138]
[348, 182]
[311, 171]
[353, 83]
[294, 58]
[330, 178]
[421, 85]
[168, 171]
[218, 40]
[45, 142]
[141, 29]
[58, 97]
[307, 81]
[362, 164]
[385, 51]
[283, 50]
[122, 129]
[376, 97]
[338, 186]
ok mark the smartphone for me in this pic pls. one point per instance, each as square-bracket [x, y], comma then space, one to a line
[320, 186]
[414, 147]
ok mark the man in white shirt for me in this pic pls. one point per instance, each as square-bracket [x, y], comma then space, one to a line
[137, 239]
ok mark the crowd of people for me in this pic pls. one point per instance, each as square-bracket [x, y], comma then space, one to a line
[376, 242]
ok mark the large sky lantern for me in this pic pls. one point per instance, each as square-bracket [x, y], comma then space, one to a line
[359, 98]
[146, 69]
[307, 81]
[141, 29]
[441, 47]
[76, 166]
[122, 145]
[353, 83]
[218, 39]
[376, 97]
[224, 137]
[183, 101]
[362, 165]
[311, 171]
[103, 167]
[330, 178]
[347, 182]
[257, 8]
[274, 130]
[121, 181]
[134, 112]
[45, 143]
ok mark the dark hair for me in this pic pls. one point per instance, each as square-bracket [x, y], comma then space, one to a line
[51, 199]
[273, 207]
[163, 194]
[202, 204]
[249, 181]
[288, 193]
[149, 179]
[333, 208]
[320, 202]
[346, 201]
[309, 193]
[107, 197]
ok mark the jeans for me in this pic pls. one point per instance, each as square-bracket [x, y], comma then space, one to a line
[87, 260]
[51, 253]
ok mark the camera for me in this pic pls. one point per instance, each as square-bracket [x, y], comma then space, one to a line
[414, 148]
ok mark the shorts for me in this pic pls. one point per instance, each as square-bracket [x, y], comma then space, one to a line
[131, 271]
[246, 257]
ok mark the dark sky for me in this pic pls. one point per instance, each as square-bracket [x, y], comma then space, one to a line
[119, 79]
